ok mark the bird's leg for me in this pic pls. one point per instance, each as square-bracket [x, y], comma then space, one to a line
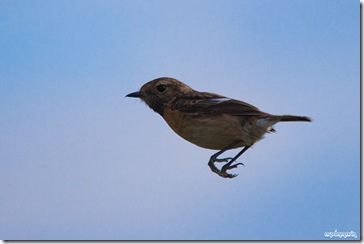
[229, 166]
[221, 160]
[214, 159]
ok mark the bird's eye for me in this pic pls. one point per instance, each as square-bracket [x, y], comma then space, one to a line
[161, 88]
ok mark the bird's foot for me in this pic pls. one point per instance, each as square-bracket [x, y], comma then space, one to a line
[223, 172]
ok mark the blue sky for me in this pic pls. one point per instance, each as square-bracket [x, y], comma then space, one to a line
[78, 160]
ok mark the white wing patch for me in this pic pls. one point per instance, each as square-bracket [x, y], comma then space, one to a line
[217, 100]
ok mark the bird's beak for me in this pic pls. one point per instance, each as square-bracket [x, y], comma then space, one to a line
[135, 94]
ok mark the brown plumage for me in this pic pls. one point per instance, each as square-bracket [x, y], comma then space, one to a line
[209, 120]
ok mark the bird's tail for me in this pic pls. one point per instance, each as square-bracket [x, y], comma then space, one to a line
[290, 118]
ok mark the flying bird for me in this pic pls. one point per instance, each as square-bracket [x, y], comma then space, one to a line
[210, 120]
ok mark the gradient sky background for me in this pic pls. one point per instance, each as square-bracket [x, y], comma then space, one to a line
[78, 160]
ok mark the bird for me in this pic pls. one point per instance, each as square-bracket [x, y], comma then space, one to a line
[210, 120]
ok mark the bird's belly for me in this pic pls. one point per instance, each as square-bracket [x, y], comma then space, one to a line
[212, 132]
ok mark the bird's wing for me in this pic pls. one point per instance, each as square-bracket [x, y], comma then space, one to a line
[210, 104]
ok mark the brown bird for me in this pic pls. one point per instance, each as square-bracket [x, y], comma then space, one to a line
[209, 120]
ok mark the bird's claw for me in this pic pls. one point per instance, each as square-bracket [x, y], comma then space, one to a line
[227, 175]
[228, 167]
[224, 168]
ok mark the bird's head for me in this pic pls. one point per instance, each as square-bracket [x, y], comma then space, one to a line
[161, 92]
